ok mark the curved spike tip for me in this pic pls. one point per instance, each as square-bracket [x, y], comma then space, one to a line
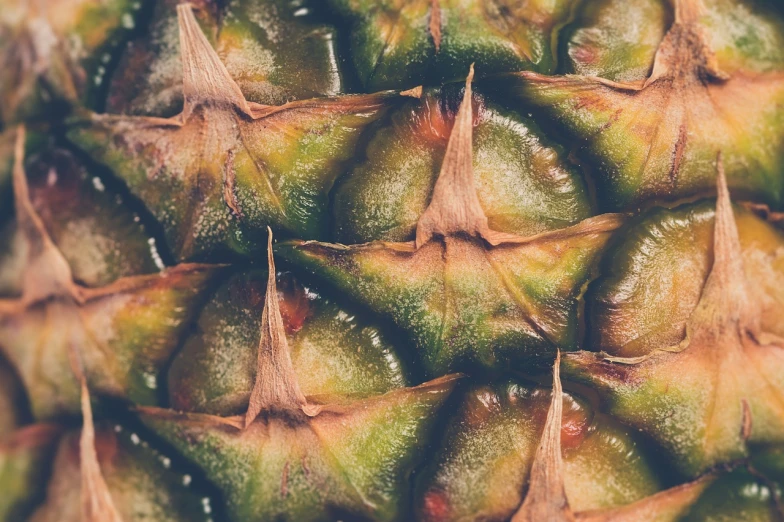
[454, 207]
[546, 497]
[276, 386]
[97, 503]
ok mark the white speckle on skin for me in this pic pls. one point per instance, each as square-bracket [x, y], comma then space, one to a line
[156, 257]
[151, 381]
[127, 21]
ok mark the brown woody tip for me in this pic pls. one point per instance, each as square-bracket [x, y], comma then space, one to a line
[276, 385]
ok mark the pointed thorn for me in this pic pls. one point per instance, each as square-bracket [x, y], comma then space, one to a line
[46, 273]
[726, 286]
[276, 385]
[546, 497]
[435, 23]
[97, 503]
[205, 78]
[454, 207]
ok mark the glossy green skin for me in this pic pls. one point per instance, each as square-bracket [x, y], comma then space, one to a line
[688, 397]
[653, 277]
[358, 460]
[745, 34]
[629, 175]
[334, 351]
[616, 39]
[481, 467]
[737, 496]
[655, 144]
[392, 47]
[139, 480]
[460, 302]
[524, 183]
[274, 56]
[124, 340]
[352, 461]
[126, 336]
[283, 167]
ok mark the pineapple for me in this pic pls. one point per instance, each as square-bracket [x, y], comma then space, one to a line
[433, 260]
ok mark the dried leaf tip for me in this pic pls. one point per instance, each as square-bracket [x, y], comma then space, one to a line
[47, 273]
[97, 503]
[684, 54]
[454, 207]
[725, 298]
[276, 386]
[435, 23]
[687, 11]
[205, 79]
[415, 92]
[546, 497]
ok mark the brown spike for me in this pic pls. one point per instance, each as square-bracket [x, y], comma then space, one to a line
[435, 24]
[546, 497]
[688, 11]
[47, 273]
[205, 78]
[97, 503]
[455, 206]
[725, 297]
[684, 55]
[276, 385]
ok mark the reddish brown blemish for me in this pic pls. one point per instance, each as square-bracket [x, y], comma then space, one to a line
[435, 117]
[435, 506]
[585, 54]
[575, 425]
[295, 307]
[106, 447]
[29, 437]
[480, 406]
[576, 421]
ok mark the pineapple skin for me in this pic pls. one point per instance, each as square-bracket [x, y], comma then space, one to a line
[524, 260]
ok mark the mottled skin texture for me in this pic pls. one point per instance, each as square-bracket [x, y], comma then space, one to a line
[484, 460]
[462, 303]
[426, 228]
[524, 183]
[465, 292]
[397, 43]
[51, 52]
[248, 165]
[116, 333]
[708, 397]
[334, 350]
[256, 40]
[352, 460]
[705, 93]
[141, 486]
